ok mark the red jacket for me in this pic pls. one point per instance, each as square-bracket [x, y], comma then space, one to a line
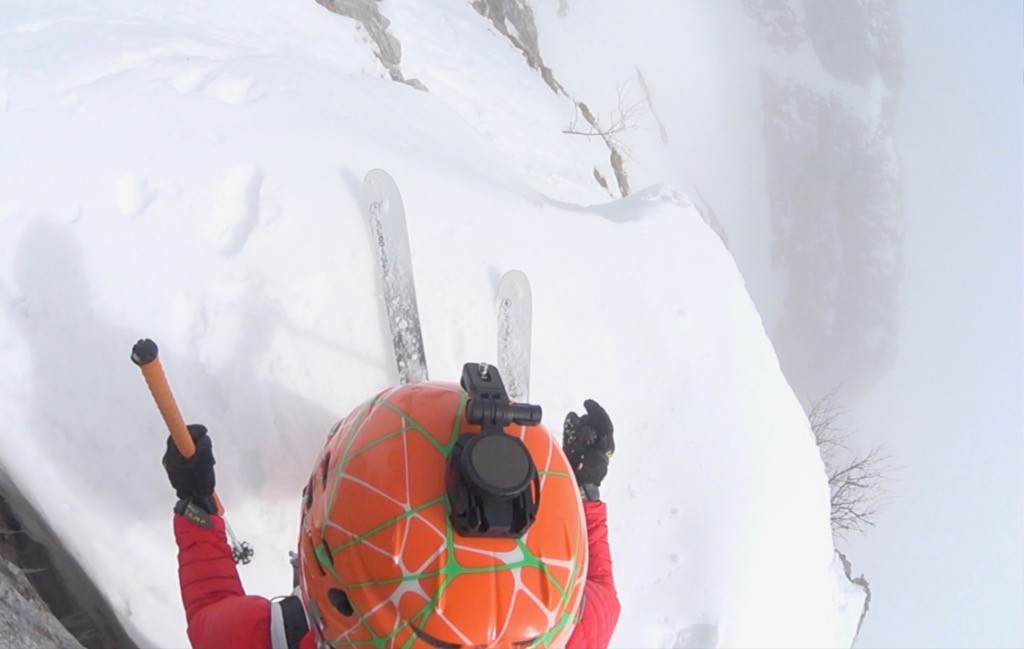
[221, 616]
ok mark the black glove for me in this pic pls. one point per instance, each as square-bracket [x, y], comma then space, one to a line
[193, 479]
[588, 443]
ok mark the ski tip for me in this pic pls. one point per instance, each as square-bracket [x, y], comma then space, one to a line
[515, 275]
[514, 283]
[377, 176]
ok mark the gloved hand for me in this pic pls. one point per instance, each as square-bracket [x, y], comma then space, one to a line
[588, 443]
[193, 479]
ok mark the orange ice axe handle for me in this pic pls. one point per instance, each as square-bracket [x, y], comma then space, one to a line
[146, 355]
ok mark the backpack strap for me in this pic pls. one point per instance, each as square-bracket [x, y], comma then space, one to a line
[287, 622]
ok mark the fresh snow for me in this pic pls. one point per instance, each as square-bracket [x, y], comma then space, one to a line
[191, 172]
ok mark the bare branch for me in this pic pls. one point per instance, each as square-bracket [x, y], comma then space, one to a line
[623, 118]
[856, 481]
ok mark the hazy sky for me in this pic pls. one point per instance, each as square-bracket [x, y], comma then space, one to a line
[945, 560]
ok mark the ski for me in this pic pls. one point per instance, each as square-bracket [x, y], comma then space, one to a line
[383, 207]
[514, 307]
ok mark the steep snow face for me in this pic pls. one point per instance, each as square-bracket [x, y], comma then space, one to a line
[779, 118]
[190, 173]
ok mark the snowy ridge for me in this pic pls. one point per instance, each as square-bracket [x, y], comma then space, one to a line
[191, 173]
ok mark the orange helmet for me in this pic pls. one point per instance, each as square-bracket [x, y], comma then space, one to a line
[422, 529]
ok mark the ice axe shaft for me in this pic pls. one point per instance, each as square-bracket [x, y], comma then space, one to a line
[146, 355]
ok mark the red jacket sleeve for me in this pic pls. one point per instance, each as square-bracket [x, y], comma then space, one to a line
[219, 613]
[601, 606]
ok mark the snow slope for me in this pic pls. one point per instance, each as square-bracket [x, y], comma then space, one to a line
[190, 172]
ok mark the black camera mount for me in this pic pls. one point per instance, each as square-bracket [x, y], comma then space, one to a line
[492, 481]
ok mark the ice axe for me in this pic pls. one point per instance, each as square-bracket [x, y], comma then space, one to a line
[146, 355]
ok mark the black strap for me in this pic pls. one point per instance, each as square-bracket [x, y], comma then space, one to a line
[295, 624]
